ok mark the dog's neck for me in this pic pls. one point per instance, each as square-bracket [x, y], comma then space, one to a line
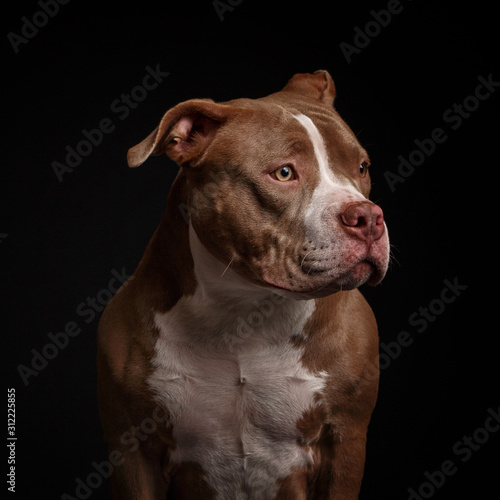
[222, 292]
[217, 280]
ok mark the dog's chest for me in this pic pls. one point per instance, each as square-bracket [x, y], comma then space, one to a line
[236, 408]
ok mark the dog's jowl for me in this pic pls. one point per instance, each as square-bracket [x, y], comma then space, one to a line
[243, 325]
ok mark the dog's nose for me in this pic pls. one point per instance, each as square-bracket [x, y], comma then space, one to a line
[363, 220]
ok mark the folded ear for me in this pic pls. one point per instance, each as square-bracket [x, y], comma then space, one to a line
[184, 133]
[318, 85]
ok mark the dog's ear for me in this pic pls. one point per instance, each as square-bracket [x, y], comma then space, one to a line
[184, 133]
[318, 85]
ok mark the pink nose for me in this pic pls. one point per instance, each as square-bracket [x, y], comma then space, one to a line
[363, 220]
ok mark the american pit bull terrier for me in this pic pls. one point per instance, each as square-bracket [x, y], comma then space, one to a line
[240, 362]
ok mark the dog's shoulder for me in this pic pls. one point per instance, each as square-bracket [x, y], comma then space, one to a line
[341, 339]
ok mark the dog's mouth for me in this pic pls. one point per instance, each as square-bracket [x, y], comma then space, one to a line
[322, 277]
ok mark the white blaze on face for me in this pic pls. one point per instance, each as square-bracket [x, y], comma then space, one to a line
[332, 191]
[326, 174]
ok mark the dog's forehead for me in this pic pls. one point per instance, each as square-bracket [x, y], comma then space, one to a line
[261, 135]
[340, 142]
[274, 120]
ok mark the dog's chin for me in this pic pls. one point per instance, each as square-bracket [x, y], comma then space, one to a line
[327, 282]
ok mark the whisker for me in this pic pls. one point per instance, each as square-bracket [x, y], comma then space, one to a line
[305, 258]
[230, 262]
[392, 256]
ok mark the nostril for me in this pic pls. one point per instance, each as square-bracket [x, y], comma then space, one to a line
[363, 219]
[356, 214]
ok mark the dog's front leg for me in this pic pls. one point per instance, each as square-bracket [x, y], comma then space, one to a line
[139, 477]
[137, 437]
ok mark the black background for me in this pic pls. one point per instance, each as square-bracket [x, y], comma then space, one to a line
[59, 241]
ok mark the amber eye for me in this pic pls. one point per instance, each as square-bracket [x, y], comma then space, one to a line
[284, 173]
[363, 169]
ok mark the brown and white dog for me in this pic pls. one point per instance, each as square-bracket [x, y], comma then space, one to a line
[241, 361]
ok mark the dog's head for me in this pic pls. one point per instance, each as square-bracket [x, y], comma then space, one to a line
[278, 187]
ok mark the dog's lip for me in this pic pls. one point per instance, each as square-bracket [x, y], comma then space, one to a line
[321, 291]
[274, 285]
[364, 270]
[377, 274]
[358, 274]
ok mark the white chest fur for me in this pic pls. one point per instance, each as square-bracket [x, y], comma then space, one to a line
[235, 392]
[232, 381]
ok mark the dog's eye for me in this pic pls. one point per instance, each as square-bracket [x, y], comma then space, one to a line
[363, 169]
[284, 173]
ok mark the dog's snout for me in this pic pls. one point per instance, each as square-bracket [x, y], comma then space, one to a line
[363, 220]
